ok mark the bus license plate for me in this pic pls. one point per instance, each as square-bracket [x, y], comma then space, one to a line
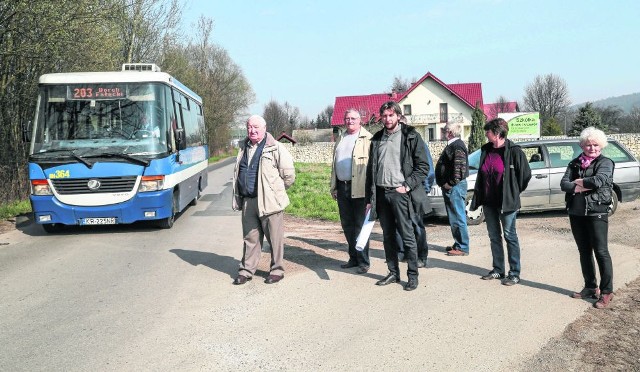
[99, 221]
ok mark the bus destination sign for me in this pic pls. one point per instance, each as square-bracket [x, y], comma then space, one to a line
[95, 91]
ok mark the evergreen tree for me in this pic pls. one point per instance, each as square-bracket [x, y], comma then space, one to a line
[551, 127]
[476, 137]
[587, 117]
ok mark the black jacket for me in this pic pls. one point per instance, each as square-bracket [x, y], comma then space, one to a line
[415, 167]
[598, 177]
[515, 179]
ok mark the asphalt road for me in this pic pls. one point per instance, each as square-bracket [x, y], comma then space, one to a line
[136, 298]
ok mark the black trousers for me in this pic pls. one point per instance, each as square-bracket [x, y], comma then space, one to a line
[421, 237]
[591, 236]
[395, 212]
[352, 211]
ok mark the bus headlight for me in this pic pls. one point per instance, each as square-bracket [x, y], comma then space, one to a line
[151, 183]
[40, 187]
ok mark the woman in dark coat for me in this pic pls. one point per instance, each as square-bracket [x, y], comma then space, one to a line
[588, 183]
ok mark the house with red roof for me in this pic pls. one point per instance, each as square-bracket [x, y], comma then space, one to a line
[491, 110]
[429, 104]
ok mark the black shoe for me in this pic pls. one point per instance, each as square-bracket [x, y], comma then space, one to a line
[363, 270]
[348, 265]
[272, 279]
[411, 285]
[422, 263]
[391, 278]
[492, 275]
[241, 279]
[511, 280]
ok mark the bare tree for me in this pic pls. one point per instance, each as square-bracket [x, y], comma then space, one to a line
[293, 116]
[276, 117]
[611, 117]
[211, 73]
[502, 104]
[144, 27]
[400, 84]
[548, 95]
[630, 123]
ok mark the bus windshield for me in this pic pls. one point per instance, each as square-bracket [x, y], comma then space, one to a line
[123, 118]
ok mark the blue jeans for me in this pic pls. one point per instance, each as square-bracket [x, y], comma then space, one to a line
[497, 223]
[454, 201]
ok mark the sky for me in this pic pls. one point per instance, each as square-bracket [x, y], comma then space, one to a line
[309, 52]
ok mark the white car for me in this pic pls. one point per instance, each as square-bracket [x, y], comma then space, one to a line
[548, 160]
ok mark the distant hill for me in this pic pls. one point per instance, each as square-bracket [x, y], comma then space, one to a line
[625, 102]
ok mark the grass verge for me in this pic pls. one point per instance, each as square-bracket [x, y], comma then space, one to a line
[309, 195]
[13, 209]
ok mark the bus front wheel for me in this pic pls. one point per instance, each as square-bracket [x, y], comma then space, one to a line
[167, 223]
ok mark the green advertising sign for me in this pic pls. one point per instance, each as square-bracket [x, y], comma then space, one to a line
[522, 124]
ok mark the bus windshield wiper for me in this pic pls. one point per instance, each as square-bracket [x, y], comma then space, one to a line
[132, 159]
[72, 153]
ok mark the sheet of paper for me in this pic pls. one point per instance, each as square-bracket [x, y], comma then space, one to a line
[363, 237]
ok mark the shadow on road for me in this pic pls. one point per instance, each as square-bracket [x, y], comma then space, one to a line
[223, 264]
[320, 264]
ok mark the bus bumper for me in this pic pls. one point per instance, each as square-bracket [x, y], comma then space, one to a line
[143, 206]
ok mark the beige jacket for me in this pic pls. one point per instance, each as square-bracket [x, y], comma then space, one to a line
[359, 161]
[276, 173]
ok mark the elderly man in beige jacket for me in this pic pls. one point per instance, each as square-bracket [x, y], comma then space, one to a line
[348, 181]
[264, 170]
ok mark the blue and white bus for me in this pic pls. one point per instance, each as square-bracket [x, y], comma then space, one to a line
[115, 148]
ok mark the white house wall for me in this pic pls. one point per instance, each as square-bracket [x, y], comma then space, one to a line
[426, 99]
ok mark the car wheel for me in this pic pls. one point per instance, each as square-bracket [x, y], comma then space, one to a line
[614, 203]
[473, 217]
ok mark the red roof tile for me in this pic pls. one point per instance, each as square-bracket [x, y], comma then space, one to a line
[471, 93]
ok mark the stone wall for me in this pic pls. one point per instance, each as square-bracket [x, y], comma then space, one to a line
[321, 152]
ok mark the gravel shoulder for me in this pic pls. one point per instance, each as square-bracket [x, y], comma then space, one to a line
[599, 339]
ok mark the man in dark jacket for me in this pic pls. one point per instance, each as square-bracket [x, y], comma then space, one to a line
[504, 173]
[395, 191]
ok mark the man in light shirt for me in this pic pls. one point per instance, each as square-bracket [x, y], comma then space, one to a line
[348, 179]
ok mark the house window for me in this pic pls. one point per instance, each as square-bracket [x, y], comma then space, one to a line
[444, 113]
[407, 109]
[431, 134]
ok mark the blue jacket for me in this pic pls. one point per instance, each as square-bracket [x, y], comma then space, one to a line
[428, 182]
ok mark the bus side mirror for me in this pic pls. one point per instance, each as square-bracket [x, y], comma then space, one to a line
[26, 132]
[181, 142]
